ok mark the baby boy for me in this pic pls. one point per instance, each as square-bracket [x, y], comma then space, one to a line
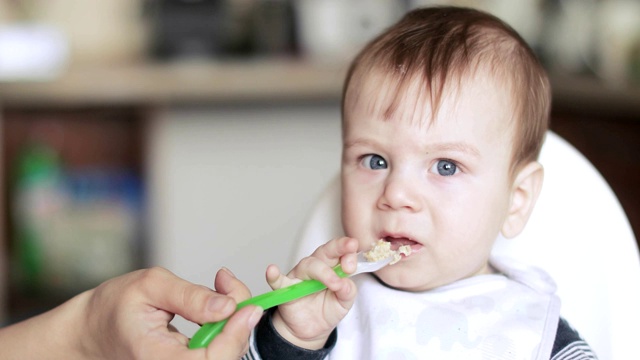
[444, 115]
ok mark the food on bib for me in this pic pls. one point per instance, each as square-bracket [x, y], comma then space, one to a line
[382, 250]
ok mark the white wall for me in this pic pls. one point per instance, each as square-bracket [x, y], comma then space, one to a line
[232, 186]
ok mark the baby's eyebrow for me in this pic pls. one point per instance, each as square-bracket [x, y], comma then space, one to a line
[454, 146]
[358, 142]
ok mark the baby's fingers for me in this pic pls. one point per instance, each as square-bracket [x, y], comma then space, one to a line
[346, 294]
[314, 268]
[308, 268]
[276, 279]
[332, 251]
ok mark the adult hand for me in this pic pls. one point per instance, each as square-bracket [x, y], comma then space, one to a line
[128, 318]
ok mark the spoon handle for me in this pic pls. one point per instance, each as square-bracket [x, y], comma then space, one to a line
[209, 331]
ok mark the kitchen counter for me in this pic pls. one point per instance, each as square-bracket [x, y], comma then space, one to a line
[256, 81]
[179, 83]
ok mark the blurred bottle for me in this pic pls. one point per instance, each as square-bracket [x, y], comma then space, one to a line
[273, 28]
[335, 30]
[37, 196]
[569, 36]
[73, 229]
[618, 40]
[185, 28]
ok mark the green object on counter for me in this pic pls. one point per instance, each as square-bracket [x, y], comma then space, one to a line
[37, 176]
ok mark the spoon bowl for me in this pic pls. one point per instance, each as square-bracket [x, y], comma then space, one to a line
[370, 266]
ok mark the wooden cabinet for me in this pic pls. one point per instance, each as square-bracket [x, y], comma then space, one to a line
[99, 153]
[603, 122]
[612, 144]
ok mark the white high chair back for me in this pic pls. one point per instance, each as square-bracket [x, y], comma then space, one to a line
[578, 233]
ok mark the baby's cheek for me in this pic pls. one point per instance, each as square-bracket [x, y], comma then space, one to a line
[351, 224]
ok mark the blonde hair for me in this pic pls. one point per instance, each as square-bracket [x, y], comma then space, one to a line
[439, 45]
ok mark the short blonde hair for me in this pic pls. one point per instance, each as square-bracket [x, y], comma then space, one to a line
[443, 44]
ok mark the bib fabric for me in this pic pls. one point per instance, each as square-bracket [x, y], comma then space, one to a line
[511, 315]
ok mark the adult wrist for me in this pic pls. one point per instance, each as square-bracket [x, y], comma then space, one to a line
[78, 338]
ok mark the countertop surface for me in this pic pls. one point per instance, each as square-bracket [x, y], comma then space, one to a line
[255, 81]
[180, 82]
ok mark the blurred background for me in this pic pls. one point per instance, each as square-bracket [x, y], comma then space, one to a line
[195, 134]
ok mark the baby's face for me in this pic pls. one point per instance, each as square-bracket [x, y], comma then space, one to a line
[443, 188]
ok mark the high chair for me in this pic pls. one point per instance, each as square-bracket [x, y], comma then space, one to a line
[578, 233]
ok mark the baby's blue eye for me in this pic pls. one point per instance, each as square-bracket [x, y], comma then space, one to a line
[446, 168]
[374, 162]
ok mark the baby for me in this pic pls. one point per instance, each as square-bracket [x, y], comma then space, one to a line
[444, 115]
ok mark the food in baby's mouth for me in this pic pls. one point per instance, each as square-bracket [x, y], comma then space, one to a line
[405, 250]
[382, 250]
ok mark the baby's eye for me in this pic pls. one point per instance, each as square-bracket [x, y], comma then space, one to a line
[374, 162]
[445, 168]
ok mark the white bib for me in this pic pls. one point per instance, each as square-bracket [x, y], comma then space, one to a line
[510, 316]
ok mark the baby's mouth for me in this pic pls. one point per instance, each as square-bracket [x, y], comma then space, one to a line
[396, 242]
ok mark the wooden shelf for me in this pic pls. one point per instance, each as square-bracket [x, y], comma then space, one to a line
[592, 97]
[257, 81]
[178, 83]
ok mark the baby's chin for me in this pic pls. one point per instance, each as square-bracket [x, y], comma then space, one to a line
[403, 276]
[404, 280]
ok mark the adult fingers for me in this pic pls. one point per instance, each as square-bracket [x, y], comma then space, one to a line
[232, 342]
[196, 303]
[227, 283]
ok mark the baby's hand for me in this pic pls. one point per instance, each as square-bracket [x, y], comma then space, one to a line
[309, 321]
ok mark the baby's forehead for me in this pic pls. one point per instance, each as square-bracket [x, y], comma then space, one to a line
[411, 97]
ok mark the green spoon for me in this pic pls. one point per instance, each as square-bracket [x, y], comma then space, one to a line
[208, 331]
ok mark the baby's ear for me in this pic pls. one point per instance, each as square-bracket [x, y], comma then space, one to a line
[524, 193]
